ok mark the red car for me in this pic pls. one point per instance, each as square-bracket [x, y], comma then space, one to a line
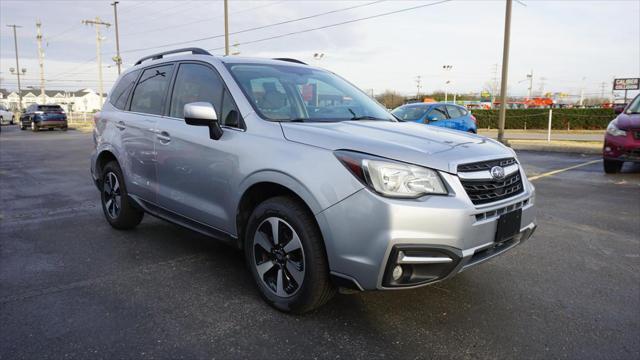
[622, 140]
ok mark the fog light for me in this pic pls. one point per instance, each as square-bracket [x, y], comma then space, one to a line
[397, 272]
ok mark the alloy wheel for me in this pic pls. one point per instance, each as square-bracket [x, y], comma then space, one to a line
[278, 257]
[112, 195]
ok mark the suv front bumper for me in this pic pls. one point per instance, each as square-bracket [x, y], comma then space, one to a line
[365, 232]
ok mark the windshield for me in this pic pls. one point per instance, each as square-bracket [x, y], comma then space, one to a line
[293, 93]
[410, 113]
[634, 108]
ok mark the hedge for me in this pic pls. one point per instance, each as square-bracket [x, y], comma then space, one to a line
[563, 119]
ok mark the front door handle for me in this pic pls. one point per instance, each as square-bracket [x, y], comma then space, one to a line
[164, 137]
[120, 125]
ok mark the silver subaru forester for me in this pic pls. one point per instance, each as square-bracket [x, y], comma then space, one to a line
[317, 183]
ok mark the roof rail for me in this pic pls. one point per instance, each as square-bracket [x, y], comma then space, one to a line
[193, 50]
[291, 60]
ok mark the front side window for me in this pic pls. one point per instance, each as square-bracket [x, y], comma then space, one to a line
[410, 113]
[148, 96]
[120, 92]
[294, 93]
[437, 114]
[454, 111]
[195, 83]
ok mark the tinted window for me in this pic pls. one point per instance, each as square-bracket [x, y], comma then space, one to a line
[454, 111]
[148, 97]
[120, 92]
[49, 108]
[437, 114]
[195, 83]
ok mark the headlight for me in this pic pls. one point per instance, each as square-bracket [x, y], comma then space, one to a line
[612, 129]
[391, 178]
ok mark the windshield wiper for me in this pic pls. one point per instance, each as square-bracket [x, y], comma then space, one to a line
[366, 117]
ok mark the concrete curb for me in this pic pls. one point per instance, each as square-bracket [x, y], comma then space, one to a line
[557, 148]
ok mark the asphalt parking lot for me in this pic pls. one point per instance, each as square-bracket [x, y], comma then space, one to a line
[71, 286]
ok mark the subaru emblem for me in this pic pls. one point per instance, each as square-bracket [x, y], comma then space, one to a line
[497, 173]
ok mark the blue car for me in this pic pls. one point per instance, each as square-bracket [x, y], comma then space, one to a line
[438, 114]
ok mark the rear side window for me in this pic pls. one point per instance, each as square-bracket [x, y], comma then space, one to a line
[195, 83]
[120, 92]
[148, 96]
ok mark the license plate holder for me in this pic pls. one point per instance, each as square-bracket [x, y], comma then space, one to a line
[508, 225]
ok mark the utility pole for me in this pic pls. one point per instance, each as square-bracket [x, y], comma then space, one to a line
[117, 58]
[446, 69]
[15, 44]
[505, 72]
[530, 77]
[97, 23]
[40, 60]
[418, 85]
[226, 28]
[602, 85]
[494, 84]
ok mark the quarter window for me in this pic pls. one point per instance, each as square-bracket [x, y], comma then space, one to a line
[148, 97]
[196, 83]
[120, 93]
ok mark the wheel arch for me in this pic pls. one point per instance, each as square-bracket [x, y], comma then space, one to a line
[264, 186]
[103, 158]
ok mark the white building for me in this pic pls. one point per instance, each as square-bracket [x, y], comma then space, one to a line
[85, 100]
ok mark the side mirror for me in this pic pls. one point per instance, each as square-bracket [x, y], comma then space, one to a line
[203, 114]
[618, 109]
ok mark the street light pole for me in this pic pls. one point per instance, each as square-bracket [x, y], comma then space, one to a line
[226, 28]
[505, 71]
[15, 44]
[117, 58]
[446, 68]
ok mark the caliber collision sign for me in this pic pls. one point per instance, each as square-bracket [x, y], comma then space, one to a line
[626, 84]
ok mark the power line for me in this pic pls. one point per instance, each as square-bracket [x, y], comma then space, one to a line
[279, 23]
[190, 23]
[338, 24]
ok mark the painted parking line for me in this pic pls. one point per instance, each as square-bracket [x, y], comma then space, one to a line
[551, 173]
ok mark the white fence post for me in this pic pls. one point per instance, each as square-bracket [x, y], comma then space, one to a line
[549, 130]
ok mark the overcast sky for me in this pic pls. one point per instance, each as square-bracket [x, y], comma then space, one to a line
[561, 41]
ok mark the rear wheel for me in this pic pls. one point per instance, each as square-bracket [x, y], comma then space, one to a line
[116, 205]
[285, 254]
[612, 166]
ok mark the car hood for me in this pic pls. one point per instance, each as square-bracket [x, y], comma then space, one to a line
[628, 121]
[429, 146]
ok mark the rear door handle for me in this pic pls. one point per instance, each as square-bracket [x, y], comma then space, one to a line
[164, 137]
[120, 125]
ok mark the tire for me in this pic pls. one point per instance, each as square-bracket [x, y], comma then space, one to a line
[301, 265]
[118, 209]
[23, 127]
[50, 129]
[12, 120]
[65, 128]
[612, 166]
[34, 127]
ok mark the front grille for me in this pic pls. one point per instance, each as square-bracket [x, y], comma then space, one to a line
[486, 191]
[485, 165]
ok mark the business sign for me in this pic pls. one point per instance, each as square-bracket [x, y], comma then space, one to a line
[626, 84]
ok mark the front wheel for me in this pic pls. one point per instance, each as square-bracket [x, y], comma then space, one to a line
[285, 253]
[612, 166]
[116, 205]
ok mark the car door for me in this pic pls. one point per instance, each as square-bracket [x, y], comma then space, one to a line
[194, 171]
[137, 127]
[456, 118]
